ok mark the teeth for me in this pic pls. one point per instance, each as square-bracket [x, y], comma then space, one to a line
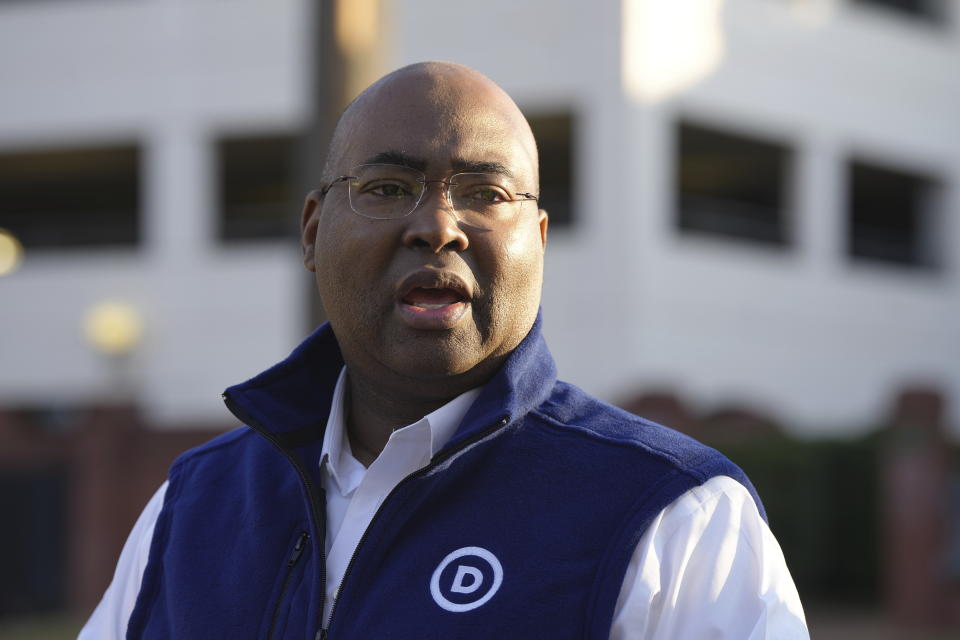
[425, 305]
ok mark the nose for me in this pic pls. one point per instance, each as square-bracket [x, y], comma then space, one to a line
[433, 225]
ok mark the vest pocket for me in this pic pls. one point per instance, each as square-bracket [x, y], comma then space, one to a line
[292, 560]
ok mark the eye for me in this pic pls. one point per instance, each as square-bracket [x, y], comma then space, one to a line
[487, 193]
[386, 189]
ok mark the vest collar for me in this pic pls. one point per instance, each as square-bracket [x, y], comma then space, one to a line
[292, 399]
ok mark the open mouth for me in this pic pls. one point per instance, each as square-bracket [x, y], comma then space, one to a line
[433, 300]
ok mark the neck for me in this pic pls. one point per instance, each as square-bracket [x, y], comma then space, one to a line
[379, 401]
[374, 412]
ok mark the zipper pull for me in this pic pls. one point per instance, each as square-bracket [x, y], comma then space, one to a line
[298, 549]
[321, 634]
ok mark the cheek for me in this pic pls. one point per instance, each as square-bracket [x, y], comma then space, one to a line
[516, 276]
[523, 246]
[347, 263]
[524, 255]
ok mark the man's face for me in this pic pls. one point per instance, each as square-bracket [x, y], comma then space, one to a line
[427, 296]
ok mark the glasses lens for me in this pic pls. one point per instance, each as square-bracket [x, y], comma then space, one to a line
[385, 190]
[483, 197]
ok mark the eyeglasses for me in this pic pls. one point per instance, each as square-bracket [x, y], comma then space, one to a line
[388, 191]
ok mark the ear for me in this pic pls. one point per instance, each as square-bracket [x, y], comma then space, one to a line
[309, 221]
[544, 221]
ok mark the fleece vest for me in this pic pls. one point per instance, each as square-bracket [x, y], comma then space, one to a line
[522, 526]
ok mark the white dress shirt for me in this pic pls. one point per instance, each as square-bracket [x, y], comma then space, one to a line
[706, 567]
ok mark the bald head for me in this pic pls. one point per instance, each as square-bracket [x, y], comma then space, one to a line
[452, 96]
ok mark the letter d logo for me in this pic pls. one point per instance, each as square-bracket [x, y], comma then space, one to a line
[475, 568]
[476, 579]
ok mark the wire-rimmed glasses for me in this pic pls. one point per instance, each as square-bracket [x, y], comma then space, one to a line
[388, 191]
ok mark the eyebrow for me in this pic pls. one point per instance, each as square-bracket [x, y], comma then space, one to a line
[466, 166]
[459, 165]
[397, 157]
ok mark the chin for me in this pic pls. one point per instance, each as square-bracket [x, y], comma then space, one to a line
[434, 360]
[435, 366]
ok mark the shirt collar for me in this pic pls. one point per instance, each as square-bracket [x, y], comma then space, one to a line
[437, 428]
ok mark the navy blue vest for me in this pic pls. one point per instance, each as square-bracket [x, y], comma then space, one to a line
[522, 526]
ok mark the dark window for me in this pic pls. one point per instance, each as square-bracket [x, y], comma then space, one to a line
[256, 183]
[731, 185]
[925, 9]
[32, 562]
[61, 198]
[555, 134]
[891, 215]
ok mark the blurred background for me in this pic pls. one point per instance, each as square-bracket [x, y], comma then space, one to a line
[753, 239]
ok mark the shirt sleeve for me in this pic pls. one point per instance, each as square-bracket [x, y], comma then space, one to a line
[709, 567]
[110, 618]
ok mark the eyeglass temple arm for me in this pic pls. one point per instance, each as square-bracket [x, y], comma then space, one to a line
[324, 190]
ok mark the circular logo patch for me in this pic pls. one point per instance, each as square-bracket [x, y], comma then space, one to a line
[466, 579]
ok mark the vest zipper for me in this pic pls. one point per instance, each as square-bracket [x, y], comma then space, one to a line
[323, 632]
[314, 495]
[291, 563]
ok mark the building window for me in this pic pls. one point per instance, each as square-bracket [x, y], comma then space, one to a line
[892, 215]
[256, 187]
[555, 134]
[32, 554]
[68, 198]
[931, 10]
[731, 185]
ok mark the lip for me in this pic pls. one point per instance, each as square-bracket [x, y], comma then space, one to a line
[433, 319]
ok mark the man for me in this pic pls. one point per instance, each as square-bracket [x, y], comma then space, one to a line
[414, 469]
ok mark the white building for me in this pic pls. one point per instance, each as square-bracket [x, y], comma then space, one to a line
[764, 192]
